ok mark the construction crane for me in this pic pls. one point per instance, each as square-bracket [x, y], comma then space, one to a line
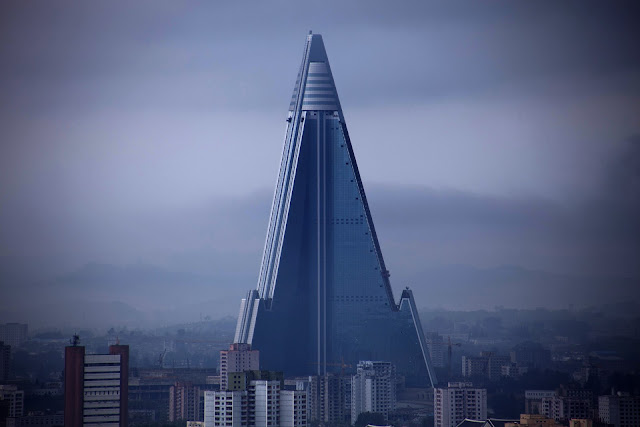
[161, 358]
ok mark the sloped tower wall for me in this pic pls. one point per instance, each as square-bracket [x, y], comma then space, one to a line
[323, 297]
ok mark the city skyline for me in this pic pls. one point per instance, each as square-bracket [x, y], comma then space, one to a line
[491, 136]
[498, 155]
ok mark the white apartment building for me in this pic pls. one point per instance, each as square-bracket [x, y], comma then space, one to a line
[263, 403]
[293, 408]
[460, 400]
[226, 408]
[373, 389]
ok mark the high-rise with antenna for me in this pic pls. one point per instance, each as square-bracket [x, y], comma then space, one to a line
[323, 297]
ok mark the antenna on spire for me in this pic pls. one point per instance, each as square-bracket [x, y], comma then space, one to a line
[310, 32]
[74, 340]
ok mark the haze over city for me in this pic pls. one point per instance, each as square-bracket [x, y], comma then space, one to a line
[499, 146]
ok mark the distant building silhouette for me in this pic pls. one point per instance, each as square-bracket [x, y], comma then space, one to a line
[487, 365]
[619, 410]
[184, 402]
[5, 361]
[14, 334]
[531, 355]
[437, 349]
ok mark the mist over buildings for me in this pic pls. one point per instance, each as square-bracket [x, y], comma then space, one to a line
[499, 148]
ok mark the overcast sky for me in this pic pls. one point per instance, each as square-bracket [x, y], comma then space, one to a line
[486, 133]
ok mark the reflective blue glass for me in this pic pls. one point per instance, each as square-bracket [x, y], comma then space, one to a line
[324, 298]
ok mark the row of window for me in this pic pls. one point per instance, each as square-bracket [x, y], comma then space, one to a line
[102, 393]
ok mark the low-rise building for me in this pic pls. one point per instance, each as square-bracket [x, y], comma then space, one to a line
[532, 355]
[533, 420]
[15, 397]
[534, 400]
[619, 410]
[487, 365]
[37, 420]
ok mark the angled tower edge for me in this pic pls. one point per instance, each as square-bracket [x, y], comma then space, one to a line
[407, 298]
[247, 317]
[323, 253]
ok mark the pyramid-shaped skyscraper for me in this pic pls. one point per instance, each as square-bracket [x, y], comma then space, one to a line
[324, 299]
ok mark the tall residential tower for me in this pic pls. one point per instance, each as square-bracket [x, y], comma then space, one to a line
[96, 387]
[323, 297]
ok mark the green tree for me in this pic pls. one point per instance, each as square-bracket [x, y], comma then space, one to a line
[366, 418]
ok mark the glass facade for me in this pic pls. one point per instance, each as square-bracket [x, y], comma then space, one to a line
[323, 298]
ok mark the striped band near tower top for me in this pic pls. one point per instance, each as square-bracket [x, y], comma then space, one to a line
[319, 91]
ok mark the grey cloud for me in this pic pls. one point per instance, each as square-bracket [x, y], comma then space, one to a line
[416, 225]
[595, 235]
[623, 179]
[442, 243]
[140, 130]
[219, 56]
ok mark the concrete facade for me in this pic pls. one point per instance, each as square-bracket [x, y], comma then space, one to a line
[457, 402]
[373, 389]
[238, 358]
[96, 387]
[619, 410]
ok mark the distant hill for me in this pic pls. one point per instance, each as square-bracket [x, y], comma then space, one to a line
[142, 295]
[99, 295]
[462, 287]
